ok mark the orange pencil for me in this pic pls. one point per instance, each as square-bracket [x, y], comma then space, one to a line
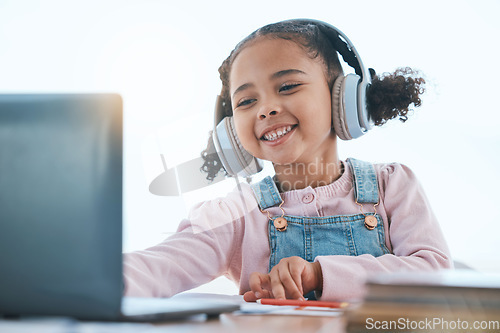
[294, 302]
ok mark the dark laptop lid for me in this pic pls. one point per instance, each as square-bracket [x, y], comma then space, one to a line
[61, 204]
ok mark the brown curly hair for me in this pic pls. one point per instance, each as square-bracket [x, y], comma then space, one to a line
[390, 95]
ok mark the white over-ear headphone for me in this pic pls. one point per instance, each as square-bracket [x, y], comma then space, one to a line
[349, 113]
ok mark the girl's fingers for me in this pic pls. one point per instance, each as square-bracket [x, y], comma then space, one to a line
[284, 284]
[296, 272]
[250, 296]
[259, 285]
[284, 281]
[277, 287]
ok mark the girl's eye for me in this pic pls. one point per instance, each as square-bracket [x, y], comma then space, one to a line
[288, 87]
[245, 102]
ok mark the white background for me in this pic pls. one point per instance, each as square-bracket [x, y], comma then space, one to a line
[163, 56]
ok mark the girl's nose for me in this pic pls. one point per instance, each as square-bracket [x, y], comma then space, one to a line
[268, 112]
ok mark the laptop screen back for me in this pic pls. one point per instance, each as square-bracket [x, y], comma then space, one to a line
[61, 205]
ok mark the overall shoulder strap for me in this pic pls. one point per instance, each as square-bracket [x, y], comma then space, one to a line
[364, 181]
[266, 193]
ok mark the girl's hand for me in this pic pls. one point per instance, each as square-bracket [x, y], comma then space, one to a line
[291, 278]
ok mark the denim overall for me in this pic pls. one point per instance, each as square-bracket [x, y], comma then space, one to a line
[309, 237]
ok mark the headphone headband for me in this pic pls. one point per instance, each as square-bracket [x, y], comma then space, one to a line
[341, 44]
[350, 55]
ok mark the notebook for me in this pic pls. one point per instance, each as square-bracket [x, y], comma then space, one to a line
[440, 301]
[445, 287]
[61, 212]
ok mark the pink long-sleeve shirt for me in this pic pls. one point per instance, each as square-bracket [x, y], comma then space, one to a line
[229, 236]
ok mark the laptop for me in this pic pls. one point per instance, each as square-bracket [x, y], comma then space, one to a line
[61, 212]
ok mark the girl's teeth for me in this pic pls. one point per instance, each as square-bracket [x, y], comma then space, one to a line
[271, 136]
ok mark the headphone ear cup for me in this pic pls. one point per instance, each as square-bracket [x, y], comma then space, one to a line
[237, 161]
[246, 160]
[338, 109]
[346, 108]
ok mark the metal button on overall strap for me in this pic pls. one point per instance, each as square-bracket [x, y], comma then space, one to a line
[365, 188]
[267, 195]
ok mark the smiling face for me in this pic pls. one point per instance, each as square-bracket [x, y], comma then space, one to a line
[282, 103]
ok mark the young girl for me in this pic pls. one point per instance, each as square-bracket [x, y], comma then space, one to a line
[320, 226]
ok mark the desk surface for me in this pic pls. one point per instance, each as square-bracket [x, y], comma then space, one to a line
[258, 323]
[224, 323]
